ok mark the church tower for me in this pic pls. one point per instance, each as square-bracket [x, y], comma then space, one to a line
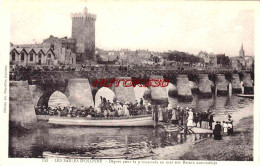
[241, 52]
[83, 31]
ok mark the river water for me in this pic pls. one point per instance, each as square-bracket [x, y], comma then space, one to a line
[97, 141]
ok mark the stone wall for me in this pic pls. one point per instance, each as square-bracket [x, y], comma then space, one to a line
[79, 93]
[21, 108]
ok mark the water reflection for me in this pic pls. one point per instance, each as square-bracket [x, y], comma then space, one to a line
[81, 140]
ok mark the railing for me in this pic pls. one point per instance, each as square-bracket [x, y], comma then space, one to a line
[62, 76]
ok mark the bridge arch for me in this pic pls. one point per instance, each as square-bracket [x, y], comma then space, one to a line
[106, 93]
[139, 91]
[58, 99]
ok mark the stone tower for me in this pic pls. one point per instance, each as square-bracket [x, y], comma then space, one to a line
[242, 52]
[83, 31]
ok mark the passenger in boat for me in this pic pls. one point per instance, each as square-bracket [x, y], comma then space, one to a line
[125, 108]
[111, 110]
[106, 113]
[131, 109]
[149, 108]
[119, 108]
[217, 131]
[141, 102]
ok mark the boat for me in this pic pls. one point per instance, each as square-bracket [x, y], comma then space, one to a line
[251, 96]
[126, 121]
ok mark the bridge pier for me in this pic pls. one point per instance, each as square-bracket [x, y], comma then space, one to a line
[221, 85]
[183, 87]
[172, 90]
[79, 93]
[236, 86]
[158, 94]
[248, 84]
[204, 86]
[124, 94]
[36, 93]
[21, 106]
[194, 87]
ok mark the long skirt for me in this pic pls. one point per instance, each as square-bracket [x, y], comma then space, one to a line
[204, 125]
[160, 117]
[217, 134]
[190, 123]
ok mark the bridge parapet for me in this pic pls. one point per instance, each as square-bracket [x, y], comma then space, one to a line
[50, 77]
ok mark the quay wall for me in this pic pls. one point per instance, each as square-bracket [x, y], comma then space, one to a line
[21, 105]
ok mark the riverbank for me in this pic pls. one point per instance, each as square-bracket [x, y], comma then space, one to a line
[238, 147]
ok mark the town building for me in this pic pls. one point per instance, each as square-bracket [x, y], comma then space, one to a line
[80, 48]
[209, 60]
[242, 61]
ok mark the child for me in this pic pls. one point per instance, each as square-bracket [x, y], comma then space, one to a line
[225, 128]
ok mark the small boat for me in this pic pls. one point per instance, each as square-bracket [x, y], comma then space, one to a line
[251, 96]
[126, 121]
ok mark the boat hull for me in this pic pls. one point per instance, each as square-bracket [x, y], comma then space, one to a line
[251, 96]
[145, 121]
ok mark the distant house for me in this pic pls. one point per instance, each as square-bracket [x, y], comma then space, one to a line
[209, 60]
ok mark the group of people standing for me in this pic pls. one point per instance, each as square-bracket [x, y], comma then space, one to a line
[223, 130]
[184, 116]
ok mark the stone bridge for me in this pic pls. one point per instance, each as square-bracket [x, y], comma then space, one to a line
[36, 88]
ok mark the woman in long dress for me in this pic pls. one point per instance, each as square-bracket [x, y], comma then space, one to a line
[126, 111]
[190, 119]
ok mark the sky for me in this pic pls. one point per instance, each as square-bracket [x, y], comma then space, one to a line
[218, 27]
